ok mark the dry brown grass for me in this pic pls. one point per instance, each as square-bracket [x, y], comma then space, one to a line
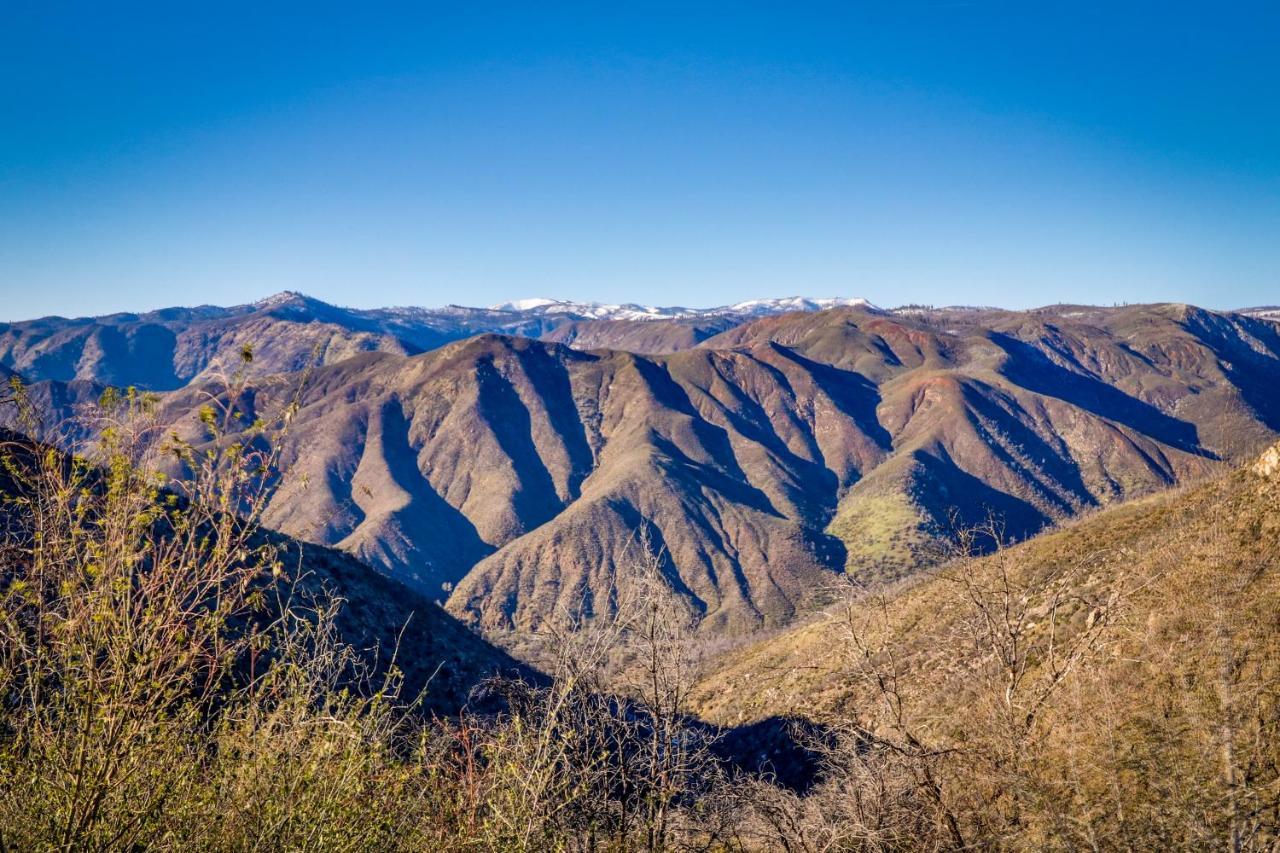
[1115, 684]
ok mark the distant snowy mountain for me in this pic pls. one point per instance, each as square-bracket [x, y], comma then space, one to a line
[761, 307]
[632, 311]
[1266, 312]
[530, 304]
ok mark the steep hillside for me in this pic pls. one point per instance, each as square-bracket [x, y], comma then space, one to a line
[1034, 415]
[537, 459]
[528, 476]
[433, 650]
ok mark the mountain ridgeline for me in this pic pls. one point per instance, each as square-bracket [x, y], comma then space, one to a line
[166, 349]
[754, 458]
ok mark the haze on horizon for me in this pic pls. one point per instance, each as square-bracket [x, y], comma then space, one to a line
[977, 153]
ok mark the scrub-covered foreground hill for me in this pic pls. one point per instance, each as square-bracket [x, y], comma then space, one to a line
[1199, 573]
[528, 476]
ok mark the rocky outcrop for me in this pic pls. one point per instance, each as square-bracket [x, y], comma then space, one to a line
[1268, 467]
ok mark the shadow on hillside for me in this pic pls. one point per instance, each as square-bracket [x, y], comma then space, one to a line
[426, 541]
[550, 381]
[1031, 369]
[956, 500]
[535, 502]
[787, 750]
[391, 625]
[1251, 366]
[856, 396]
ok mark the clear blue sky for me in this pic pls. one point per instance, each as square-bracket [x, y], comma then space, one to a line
[373, 154]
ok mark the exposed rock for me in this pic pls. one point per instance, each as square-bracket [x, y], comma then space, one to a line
[1269, 465]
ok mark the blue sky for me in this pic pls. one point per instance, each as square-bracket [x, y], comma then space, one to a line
[377, 154]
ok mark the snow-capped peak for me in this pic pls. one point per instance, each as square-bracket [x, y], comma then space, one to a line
[526, 304]
[281, 298]
[797, 303]
[632, 311]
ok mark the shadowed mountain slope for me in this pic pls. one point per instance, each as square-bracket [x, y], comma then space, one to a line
[1036, 415]
[541, 463]
[382, 617]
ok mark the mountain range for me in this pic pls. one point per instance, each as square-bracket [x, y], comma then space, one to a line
[166, 349]
[753, 452]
